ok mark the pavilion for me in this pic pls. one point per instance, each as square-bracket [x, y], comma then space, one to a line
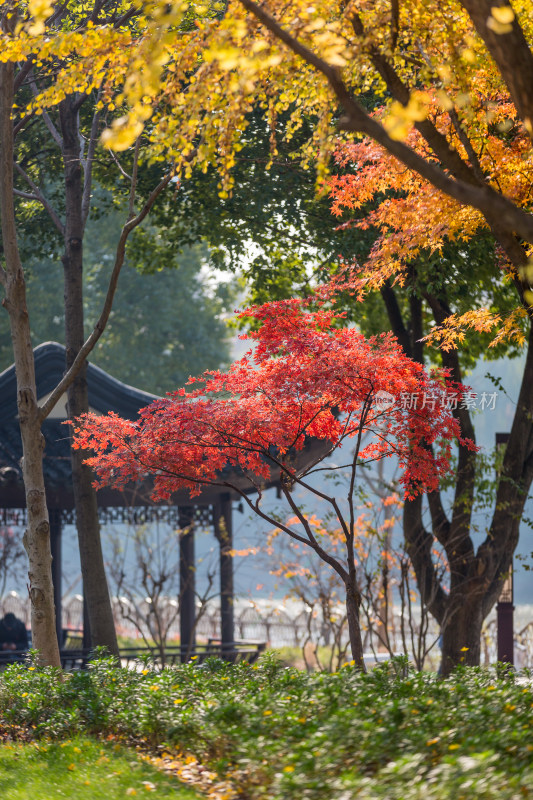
[131, 505]
[213, 508]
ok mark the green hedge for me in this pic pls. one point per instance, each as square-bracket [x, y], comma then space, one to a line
[283, 734]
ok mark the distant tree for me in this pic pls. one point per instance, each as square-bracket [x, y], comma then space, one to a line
[281, 237]
[162, 327]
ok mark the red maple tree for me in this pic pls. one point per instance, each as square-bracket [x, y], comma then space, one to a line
[306, 381]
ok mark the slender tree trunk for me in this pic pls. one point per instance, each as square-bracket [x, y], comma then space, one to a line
[37, 535]
[353, 601]
[95, 585]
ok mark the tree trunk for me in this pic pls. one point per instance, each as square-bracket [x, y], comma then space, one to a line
[37, 535]
[353, 601]
[461, 634]
[95, 586]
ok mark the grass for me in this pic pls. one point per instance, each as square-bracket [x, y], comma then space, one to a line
[84, 769]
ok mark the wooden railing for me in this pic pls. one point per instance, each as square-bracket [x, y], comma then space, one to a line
[75, 657]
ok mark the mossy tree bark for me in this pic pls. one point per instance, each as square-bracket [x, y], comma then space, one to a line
[37, 535]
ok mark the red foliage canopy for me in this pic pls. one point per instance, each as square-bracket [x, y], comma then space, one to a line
[304, 378]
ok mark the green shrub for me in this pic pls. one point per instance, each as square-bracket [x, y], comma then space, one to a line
[281, 733]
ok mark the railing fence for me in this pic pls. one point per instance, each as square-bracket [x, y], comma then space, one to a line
[283, 627]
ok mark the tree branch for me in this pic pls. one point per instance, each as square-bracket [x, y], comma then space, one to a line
[513, 486]
[356, 120]
[25, 195]
[459, 546]
[447, 155]
[99, 328]
[134, 173]
[20, 124]
[88, 167]
[439, 521]
[511, 54]
[395, 317]
[21, 74]
[467, 144]
[419, 547]
[52, 213]
[56, 136]
[323, 554]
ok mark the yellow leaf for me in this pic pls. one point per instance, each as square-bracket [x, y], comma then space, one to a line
[445, 101]
[500, 19]
[122, 134]
[528, 297]
[503, 14]
[400, 119]
[335, 58]
[40, 10]
[526, 272]
[468, 55]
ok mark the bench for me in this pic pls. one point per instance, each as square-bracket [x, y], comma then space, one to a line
[74, 656]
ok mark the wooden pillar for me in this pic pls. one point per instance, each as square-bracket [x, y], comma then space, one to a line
[504, 613]
[224, 534]
[505, 605]
[87, 639]
[55, 548]
[187, 583]
[504, 616]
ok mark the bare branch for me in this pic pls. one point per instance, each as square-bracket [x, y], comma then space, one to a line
[22, 74]
[134, 172]
[467, 144]
[323, 554]
[56, 136]
[353, 468]
[439, 521]
[277, 524]
[119, 165]
[52, 213]
[419, 545]
[21, 124]
[88, 167]
[25, 195]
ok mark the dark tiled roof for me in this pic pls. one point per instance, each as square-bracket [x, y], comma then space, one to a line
[105, 394]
